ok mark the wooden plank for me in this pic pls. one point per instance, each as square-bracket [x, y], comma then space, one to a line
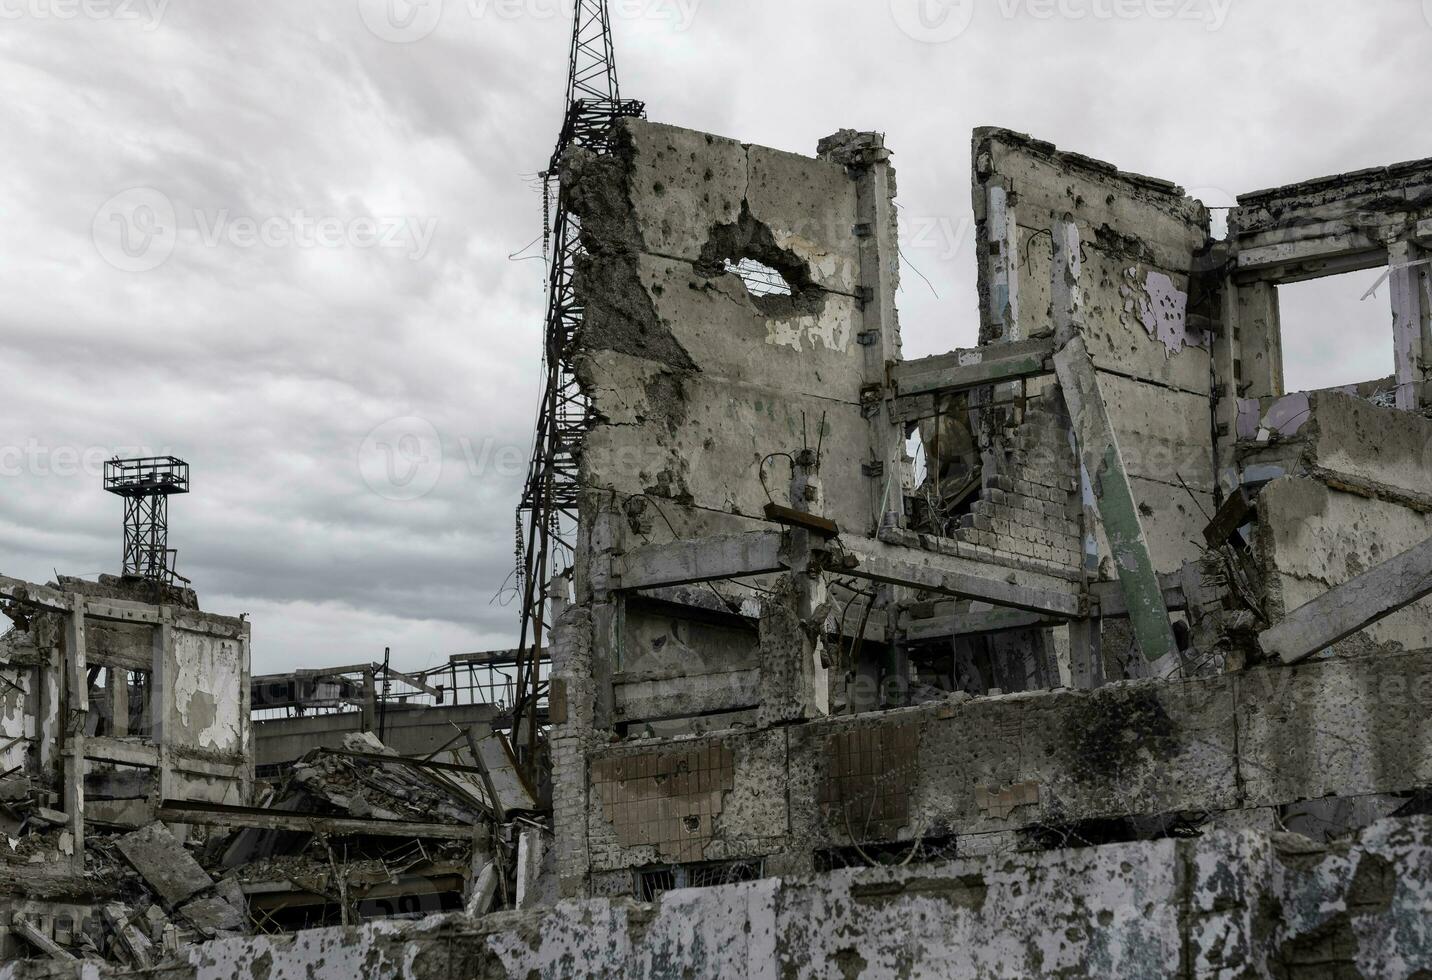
[704, 560]
[821, 526]
[1355, 605]
[1237, 510]
[213, 815]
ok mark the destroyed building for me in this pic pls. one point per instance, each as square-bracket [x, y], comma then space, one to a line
[1130, 677]
[135, 823]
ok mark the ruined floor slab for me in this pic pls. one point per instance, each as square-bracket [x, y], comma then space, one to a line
[1227, 904]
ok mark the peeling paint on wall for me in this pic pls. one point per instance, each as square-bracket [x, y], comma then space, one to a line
[807, 331]
[208, 675]
[1162, 308]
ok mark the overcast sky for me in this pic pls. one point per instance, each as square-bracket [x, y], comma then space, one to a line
[273, 237]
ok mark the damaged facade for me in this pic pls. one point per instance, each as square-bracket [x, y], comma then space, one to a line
[1140, 641]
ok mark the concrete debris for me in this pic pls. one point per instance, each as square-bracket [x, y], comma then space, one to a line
[164, 864]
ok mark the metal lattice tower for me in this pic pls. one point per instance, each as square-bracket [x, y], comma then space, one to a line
[547, 515]
[146, 485]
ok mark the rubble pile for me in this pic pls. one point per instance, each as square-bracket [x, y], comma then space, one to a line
[436, 846]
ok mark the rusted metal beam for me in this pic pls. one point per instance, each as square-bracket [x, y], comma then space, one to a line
[216, 815]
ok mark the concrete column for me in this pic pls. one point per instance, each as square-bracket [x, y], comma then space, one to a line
[1411, 323]
[161, 699]
[51, 708]
[246, 714]
[877, 229]
[1002, 242]
[76, 716]
[812, 675]
[608, 611]
[1227, 382]
[1258, 339]
[117, 696]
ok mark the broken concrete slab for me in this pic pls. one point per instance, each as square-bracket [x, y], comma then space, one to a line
[164, 863]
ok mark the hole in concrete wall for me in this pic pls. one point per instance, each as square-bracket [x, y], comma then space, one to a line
[760, 279]
[1333, 337]
[778, 280]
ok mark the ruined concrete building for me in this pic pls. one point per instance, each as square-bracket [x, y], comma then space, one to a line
[1130, 677]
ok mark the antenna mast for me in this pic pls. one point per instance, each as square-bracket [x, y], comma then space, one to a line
[547, 514]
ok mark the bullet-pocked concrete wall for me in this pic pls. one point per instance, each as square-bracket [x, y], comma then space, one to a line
[1139, 237]
[1223, 905]
[1350, 492]
[1263, 738]
[695, 380]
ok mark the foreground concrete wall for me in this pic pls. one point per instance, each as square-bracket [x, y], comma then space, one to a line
[1224, 905]
[1259, 739]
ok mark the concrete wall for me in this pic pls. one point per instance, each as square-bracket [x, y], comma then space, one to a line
[1349, 492]
[991, 766]
[1227, 904]
[694, 379]
[1139, 238]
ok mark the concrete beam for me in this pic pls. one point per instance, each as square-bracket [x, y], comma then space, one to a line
[961, 370]
[123, 753]
[1103, 465]
[1352, 606]
[976, 624]
[965, 579]
[704, 560]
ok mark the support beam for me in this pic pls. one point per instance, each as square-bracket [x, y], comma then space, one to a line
[986, 623]
[1355, 605]
[962, 370]
[703, 560]
[1118, 511]
[214, 815]
[965, 579]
